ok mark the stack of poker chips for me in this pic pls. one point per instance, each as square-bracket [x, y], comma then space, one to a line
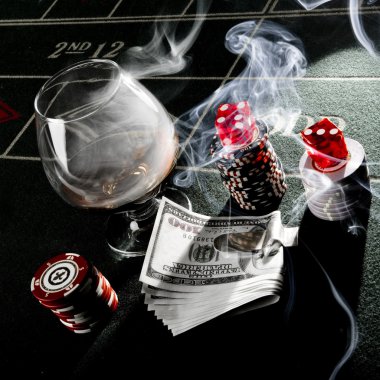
[333, 171]
[75, 291]
[247, 162]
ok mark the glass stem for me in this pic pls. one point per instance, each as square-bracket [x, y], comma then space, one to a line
[147, 210]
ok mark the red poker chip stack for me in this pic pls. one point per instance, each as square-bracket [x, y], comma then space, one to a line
[247, 162]
[75, 291]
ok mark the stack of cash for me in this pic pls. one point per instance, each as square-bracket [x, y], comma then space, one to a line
[198, 267]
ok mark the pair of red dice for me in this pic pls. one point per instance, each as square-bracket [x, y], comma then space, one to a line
[325, 144]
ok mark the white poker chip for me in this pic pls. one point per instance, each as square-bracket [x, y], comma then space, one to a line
[336, 198]
[329, 215]
[332, 212]
[328, 187]
[338, 201]
[314, 176]
[331, 204]
[331, 208]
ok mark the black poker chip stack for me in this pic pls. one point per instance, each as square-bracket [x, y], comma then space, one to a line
[253, 174]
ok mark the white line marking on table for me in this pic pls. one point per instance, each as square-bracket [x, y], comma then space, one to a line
[170, 18]
[18, 136]
[48, 10]
[114, 9]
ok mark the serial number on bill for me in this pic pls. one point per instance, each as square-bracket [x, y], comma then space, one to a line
[90, 49]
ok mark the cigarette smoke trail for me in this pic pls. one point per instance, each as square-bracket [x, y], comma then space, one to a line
[166, 52]
[358, 28]
[352, 332]
[356, 21]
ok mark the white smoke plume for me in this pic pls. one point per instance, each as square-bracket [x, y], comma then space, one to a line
[274, 59]
[356, 20]
[312, 4]
[166, 52]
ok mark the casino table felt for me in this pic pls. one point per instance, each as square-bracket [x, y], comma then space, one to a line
[302, 336]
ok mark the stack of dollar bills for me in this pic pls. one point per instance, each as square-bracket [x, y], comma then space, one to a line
[198, 267]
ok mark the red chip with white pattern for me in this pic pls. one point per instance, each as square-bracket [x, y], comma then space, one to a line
[75, 291]
[59, 277]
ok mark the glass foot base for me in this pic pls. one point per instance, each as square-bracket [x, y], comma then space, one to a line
[128, 237]
[128, 232]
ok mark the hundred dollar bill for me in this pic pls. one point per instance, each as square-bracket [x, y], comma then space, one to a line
[257, 301]
[182, 323]
[171, 311]
[204, 298]
[190, 252]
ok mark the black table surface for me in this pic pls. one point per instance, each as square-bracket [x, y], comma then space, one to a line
[306, 333]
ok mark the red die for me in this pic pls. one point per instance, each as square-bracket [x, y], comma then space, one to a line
[325, 144]
[235, 125]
